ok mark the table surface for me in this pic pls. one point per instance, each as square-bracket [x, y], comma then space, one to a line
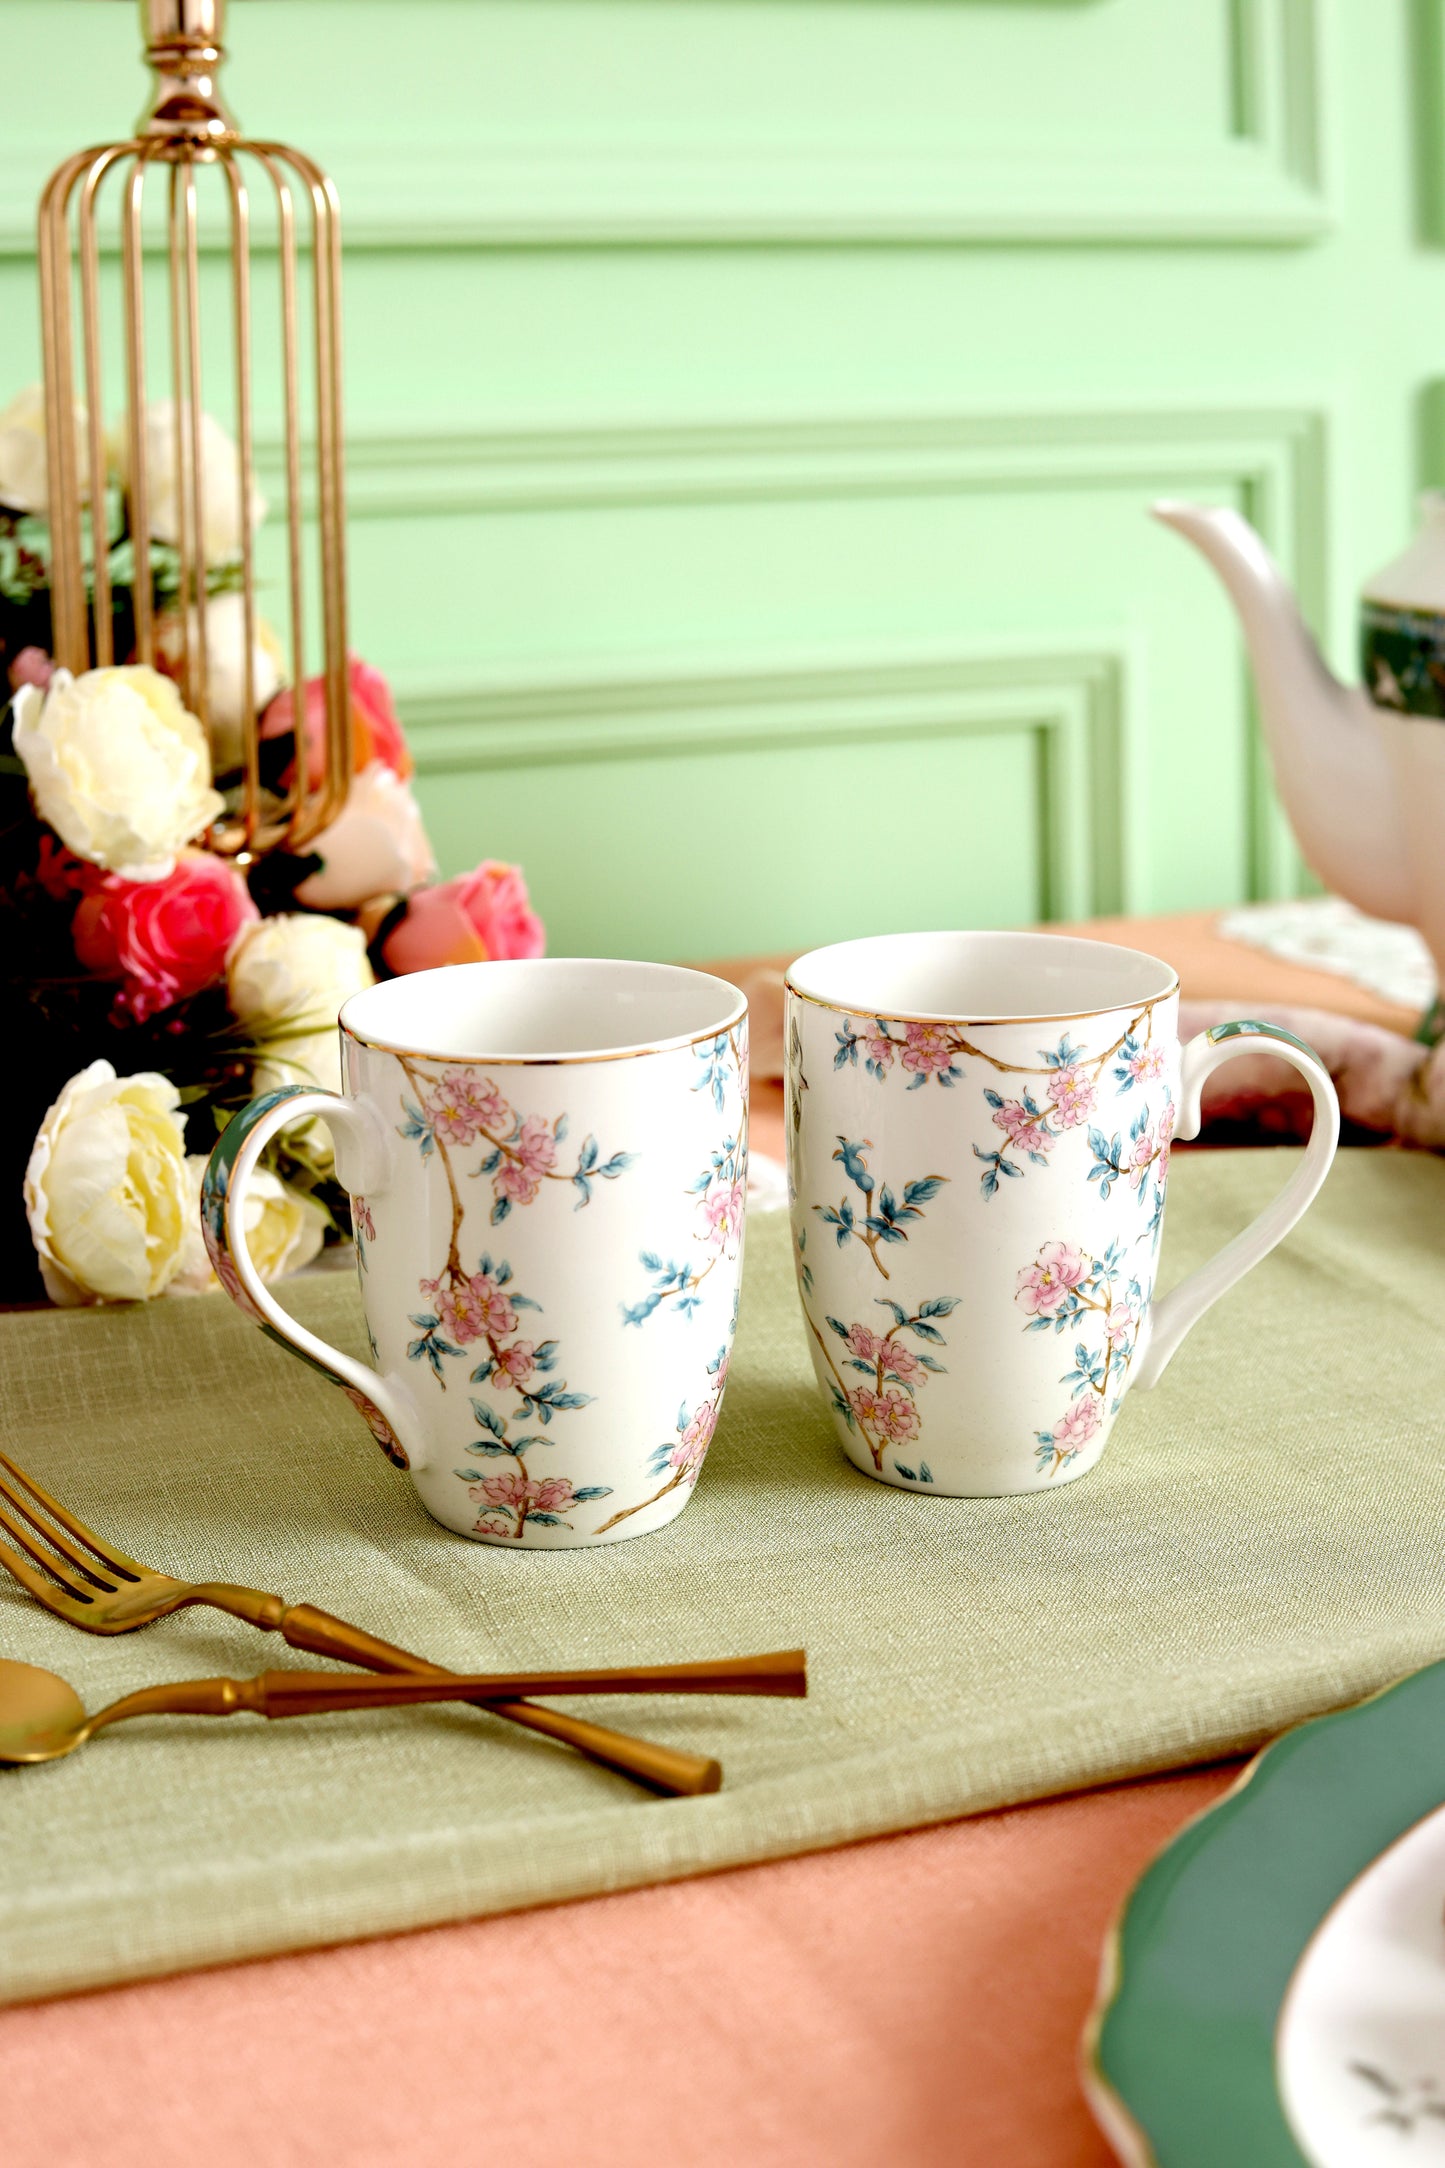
[915, 1998]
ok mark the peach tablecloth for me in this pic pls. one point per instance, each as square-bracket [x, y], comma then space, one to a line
[915, 1999]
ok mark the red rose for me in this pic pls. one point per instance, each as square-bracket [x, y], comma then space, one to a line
[163, 940]
[477, 918]
[376, 732]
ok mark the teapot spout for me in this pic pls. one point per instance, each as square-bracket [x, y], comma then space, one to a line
[1330, 763]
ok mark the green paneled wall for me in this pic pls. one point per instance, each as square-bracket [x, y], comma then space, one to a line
[753, 405]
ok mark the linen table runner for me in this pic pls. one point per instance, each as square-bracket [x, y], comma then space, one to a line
[1263, 1540]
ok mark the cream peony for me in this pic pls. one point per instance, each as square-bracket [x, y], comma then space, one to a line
[287, 979]
[119, 768]
[24, 475]
[107, 1194]
[226, 669]
[221, 528]
[376, 846]
[284, 1230]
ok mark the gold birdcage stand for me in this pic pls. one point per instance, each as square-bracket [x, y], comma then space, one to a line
[187, 126]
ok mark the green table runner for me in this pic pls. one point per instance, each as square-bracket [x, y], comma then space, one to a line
[1265, 1538]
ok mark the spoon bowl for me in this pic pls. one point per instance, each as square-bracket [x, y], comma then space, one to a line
[41, 1717]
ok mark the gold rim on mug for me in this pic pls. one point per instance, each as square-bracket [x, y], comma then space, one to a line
[982, 1023]
[1044, 936]
[732, 1019]
[545, 1061]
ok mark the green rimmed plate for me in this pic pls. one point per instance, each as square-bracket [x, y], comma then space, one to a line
[1274, 1989]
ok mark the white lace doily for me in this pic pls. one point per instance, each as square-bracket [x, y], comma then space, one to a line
[1328, 934]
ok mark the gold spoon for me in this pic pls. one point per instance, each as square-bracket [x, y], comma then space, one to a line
[42, 1718]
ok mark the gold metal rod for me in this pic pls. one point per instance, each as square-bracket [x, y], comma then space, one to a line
[241, 316]
[331, 506]
[195, 418]
[103, 634]
[184, 556]
[137, 462]
[291, 376]
[69, 642]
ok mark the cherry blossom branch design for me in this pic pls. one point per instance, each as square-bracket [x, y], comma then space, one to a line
[519, 1371]
[883, 1217]
[720, 1189]
[460, 1109]
[884, 1411]
[679, 1460]
[1066, 1289]
[1032, 1122]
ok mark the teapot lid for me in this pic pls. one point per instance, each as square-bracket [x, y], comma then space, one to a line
[1415, 580]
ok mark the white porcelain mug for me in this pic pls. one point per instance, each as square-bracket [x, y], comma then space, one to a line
[979, 1127]
[547, 1164]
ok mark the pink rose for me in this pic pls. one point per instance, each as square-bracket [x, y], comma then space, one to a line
[927, 1049]
[475, 918]
[864, 1344]
[1072, 1094]
[376, 846]
[164, 940]
[1044, 1285]
[32, 666]
[904, 1363]
[59, 872]
[881, 1051]
[376, 732]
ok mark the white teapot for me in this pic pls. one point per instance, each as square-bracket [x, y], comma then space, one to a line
[1361, 769]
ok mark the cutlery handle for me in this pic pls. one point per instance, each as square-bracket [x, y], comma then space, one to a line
[662, 1768]
[301, 1693]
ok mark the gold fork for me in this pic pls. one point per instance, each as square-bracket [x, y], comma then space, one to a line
[93, 1585]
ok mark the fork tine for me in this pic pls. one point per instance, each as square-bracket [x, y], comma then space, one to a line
[87, 1565]
[61, 1598]
[130, 1569]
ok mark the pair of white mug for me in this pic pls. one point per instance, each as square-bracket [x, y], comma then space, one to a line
[548, 1164]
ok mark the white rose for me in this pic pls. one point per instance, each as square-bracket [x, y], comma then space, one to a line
[294, 971]
[287, 979]
[24, 475]
[106, 1191]
[226, 669]
[119, 768]
[284, 1230]
[376, 846]
[221, 528]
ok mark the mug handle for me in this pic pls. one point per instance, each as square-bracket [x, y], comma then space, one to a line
[361, 1163]
[1175, 1313]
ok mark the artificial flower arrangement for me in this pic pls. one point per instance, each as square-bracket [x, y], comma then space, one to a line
[154, 986]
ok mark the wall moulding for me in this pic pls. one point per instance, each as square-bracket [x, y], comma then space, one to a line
[1272, 461]
[1072, 703]
[1260, 180]
[422, 473]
